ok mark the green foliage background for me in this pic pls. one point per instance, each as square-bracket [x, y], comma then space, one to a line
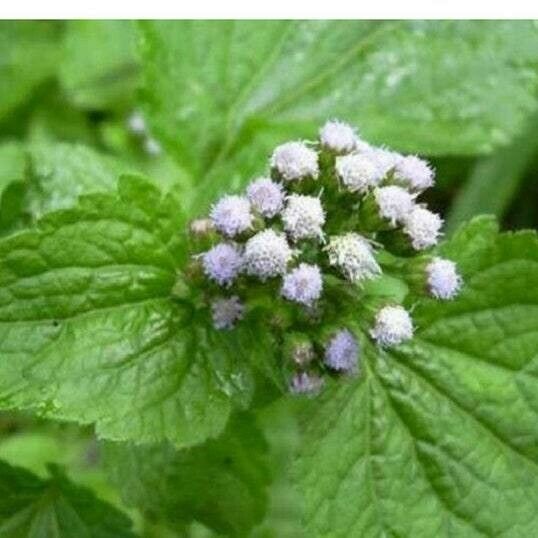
[124, 414]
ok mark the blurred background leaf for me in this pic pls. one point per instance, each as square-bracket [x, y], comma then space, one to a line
[221, 94]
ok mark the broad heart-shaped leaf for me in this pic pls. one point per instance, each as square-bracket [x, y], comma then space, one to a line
[221, 483]
[429, 87]
[31, 507]
[439, 437]
[90, 330]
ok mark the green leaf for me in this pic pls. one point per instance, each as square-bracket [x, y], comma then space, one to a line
[99, 67]
[221, 483]
[495, 180]
[451, 87]
[90, 330]
[32, 507]
[30, 51]
[438, 437]
[61, 172]
[13, 165]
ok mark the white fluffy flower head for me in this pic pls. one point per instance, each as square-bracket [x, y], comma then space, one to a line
[415, 173]
[384, 159]
[266, 196]
[266, 255]
[423, 227]
[295, 161]
[305, 383]
[354, 256]
[358, 172]
[342, 352]
[338, 136]
[231, 215]
[303, 217]
[222, 263]
[444, 281]
[394, 203]
[393, 325]
[226, 312]
[303, 284]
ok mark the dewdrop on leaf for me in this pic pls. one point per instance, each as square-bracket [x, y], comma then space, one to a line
[342, 352]
[353, 256]
[444, 282]
[338, 136]
[222, 263]
[266, 255]
[393, 325]
[226, 312]
[415, 173]
[423, 228]
[358, 172]
[303, 217]
[303, 383]
[394, 203]
[303, 284]
[231, 215]
[295, 161]
[266, 196]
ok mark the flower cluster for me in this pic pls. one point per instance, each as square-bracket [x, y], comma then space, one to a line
[305, 241]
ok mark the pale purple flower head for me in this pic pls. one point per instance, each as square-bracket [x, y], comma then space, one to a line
[303, 217]
[306, 384]
[414, 173]
[136, 123]
[266, 255]
[444, 281]
[393, 325]
[222, 263]
[358, 172]
[266, 196]
[226, 312]
[342, 352]
[338, 136]
[303, 284]
[394, 203]
[295, 161]
[231, 215]
[423, 228]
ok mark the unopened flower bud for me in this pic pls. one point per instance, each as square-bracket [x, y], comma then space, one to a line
[266, 255]
[231, 215]
[304, 383]
[295, 161]
[303, 217]
[393, 325]
[201, 227]
[342, 352]
[303, 284]
[226, 312]
[444, 282]
[299, 349]
[136, 123]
